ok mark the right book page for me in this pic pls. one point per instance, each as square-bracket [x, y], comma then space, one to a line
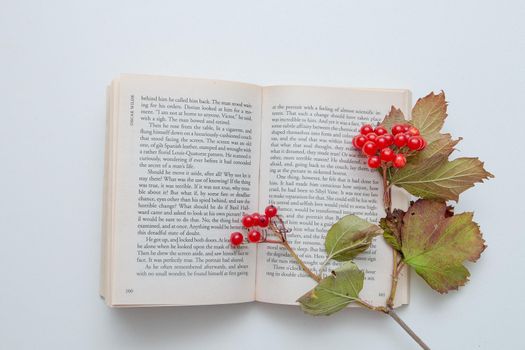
[312, 173]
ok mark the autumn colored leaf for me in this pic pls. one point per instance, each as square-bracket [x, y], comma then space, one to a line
[349, 237]
[428, 115]
[436, 243]
[443, 146]
[438, 178]
[334, 292]
[395, 116]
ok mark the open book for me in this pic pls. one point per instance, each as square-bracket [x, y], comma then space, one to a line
[186, 158]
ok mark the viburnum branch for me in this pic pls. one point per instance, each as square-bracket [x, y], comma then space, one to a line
[396, 149]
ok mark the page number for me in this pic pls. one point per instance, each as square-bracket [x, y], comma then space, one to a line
[129, 290]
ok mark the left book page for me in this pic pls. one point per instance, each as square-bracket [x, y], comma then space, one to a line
[182, 166]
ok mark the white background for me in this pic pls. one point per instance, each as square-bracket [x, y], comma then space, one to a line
[55, 61]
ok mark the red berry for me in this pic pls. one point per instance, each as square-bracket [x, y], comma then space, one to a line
[236, 238]
[366, 129]
[247, 221]
[382, 142]
[399, 161]
[263, 221]
[374, 162]
[400, 140]
[358, 141]
[406, 127]
[371, 136]
[254, 236]
[387, 154]
[370, 148]
[380, 130]
[413, 131]
[398, 128]
[389, 138]
[270, 211]
[255, 217]
[415, 142]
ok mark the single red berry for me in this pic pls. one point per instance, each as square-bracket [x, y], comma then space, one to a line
[358, 141]
[415, 142]
[247, 221]
[389, 138]
[270, 211]
[254, 236]
[366, 129]
[380, 130]
[406, 127]
[371, 136]
[387, 155]
[263, 221]
[400, 140]
[397, 128]
[399, 161]
[374, 162]
[382, 142]
[370, 148]
[255, 217]
[236, 238]
[413, 131]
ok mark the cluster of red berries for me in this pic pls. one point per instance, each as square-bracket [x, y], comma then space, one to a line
[251, 221]
[383, 147]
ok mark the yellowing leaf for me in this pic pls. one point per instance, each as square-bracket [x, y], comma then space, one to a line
[395, 116]
[334, 292]
[442, 146]
[438, 178]
[436, 243]
[349, 237]
[428, 115]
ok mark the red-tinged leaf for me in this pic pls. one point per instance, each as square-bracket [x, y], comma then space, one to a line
[394, 116]
[436, 243]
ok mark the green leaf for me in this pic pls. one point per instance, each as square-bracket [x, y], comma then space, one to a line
[428, 115]
[349, 237]
[438, 178]
[334, 292]
[395, 116]
[436, 243]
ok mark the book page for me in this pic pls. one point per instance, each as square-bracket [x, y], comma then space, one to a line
[312, 173]
[187, 163]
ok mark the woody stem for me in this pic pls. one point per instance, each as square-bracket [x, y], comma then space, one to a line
[292, 252]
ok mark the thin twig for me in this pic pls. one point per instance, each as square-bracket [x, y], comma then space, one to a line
[300, 262]
[393, 286]
[371, 307]
[284, 242]
[407, 329]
